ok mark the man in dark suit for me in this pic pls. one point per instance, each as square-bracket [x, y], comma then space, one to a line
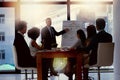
[101, 37]
[48, 36]
[23, 52]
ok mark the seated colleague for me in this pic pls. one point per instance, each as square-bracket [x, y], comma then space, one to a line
[79, 45]
[34, 33]
[81, 40]
[101, 36]
[23, 51]
[91, 32]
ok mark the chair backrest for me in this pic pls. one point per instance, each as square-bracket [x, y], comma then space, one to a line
[16, 61]
[15, 57]
[105, 54]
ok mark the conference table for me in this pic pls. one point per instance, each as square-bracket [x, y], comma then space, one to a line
[59, 54]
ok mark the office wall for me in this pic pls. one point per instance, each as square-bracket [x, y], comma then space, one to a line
[116, 25]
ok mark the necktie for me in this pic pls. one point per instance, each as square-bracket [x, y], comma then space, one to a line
[51, 32]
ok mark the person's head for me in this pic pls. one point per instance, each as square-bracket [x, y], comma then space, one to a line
[91, 31]
[21, 26]
[34, 33]
[48, 21]
[81, 35]
[100, 24]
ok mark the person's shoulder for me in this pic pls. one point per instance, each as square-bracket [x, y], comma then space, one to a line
[105, 36]
[108, 34]
[52, 27]
[103, 33]
[44, 28]
[18, 35]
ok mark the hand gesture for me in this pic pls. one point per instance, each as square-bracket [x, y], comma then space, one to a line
[66, 30]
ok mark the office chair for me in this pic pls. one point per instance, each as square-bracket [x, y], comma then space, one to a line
[22, 68]
[105, 55]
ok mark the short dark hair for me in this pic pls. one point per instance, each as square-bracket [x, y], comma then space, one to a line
[100, 23]
[33, 33]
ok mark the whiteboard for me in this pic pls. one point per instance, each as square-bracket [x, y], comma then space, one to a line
[69, 38]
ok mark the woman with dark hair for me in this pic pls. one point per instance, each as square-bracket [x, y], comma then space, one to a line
[34, 33]
[81, 40]
[79, 46]
[91, 32]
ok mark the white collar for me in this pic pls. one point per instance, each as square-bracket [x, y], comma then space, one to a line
[20, 33]
[99, 31]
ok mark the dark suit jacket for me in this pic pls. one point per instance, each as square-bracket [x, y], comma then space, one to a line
[23, 52]
[102, 36]
[47, 39]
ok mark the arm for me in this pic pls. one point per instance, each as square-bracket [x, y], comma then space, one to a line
[34, 44]
[77, 44]
[61, 32]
